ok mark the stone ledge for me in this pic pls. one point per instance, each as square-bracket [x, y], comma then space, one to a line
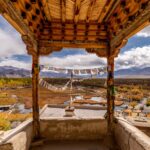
[134, 139]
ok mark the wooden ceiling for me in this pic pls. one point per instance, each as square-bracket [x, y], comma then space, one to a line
[99, 26]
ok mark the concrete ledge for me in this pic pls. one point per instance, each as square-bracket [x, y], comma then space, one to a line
[19, 138]
[129, 137]
[21, 128]
[73, 129]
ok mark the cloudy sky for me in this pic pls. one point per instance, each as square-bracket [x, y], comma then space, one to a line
[13, 53]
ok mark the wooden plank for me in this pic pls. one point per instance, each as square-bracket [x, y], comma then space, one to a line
[35, 105]
[77, 10]
[73, 44]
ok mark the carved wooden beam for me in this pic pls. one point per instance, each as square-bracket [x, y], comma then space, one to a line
[142, 19]
[63, 10]
[105, 10]
[110, 9]
[77, 10]
[14, 18]
[46, 9]
[73, 44]
[90, 9]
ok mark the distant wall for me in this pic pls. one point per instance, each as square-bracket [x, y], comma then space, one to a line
[73, 129]
[19, 139]
[129, 137]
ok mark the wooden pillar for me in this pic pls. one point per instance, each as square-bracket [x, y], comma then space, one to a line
[35, 105]
[110, 93]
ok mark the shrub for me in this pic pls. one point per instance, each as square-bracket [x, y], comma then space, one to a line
[133, 104]
[4, 124]
[148, 103]
[7, 101]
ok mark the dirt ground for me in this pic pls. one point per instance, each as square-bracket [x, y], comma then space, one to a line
[50, 97]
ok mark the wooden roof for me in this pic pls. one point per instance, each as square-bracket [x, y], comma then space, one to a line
[99, 26]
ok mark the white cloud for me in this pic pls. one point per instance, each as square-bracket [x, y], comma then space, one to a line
[144, 33]
[10, 40]
[136, 57]
[16, 63]
[76, 61]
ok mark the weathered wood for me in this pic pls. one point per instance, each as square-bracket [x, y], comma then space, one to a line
[142, 20]
[44, 51]
[63, 10]
[105, 10]
[113, 6]
[47, 10]
[100, 52]
[29, 45]
[12, 16]
[77, 10]
[116, 51]
[90, 9]
[110, 93]
[74, 44]
[35, 104]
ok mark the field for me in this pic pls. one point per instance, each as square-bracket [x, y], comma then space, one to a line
[130, 89]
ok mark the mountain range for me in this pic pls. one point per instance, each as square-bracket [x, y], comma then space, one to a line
[9, 71]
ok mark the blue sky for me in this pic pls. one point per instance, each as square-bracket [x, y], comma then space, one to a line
[13, 53]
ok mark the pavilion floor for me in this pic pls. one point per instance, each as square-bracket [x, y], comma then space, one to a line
[77, 145]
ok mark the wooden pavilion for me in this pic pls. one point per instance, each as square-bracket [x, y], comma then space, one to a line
[100, 26]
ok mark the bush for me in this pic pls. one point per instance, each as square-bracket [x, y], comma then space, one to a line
[148, 103]
[7, 101]
[133, 104]
[15, 117]
[4, 124]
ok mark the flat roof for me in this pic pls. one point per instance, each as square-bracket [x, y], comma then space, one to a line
[80, 113]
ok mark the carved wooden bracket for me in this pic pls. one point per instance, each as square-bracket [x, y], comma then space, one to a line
[100, 52]
[31, 47]
[134, 24]
[116, 50]
[48, 50]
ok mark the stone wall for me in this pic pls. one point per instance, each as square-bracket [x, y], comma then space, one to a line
[73, 129]
[129, 137]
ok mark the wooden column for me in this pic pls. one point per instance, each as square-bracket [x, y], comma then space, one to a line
[110, 93]
[35, 105]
